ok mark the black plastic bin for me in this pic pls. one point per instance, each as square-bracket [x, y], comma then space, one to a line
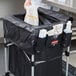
[48, 57]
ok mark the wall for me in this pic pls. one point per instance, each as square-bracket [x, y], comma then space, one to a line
[9, 7]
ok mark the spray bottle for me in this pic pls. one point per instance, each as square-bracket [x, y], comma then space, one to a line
[31, 16]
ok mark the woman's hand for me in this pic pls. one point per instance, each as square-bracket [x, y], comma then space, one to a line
[27, 3]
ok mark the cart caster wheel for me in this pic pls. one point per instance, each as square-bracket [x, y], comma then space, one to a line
[7, 74]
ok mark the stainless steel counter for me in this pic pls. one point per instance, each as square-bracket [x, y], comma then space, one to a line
[69, 5]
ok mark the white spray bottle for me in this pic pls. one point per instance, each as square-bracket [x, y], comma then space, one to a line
[31, 16]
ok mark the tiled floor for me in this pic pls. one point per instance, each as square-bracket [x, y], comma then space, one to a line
[2, 67]
[72, 60]
[72, 56]
[73, 45]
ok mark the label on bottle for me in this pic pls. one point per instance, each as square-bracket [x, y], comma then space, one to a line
[43, 33]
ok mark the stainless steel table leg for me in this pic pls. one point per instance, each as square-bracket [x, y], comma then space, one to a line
[32, 67]
[67, 62]
[6, 59]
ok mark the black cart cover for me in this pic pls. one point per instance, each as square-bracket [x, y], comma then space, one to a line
[25, 36]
